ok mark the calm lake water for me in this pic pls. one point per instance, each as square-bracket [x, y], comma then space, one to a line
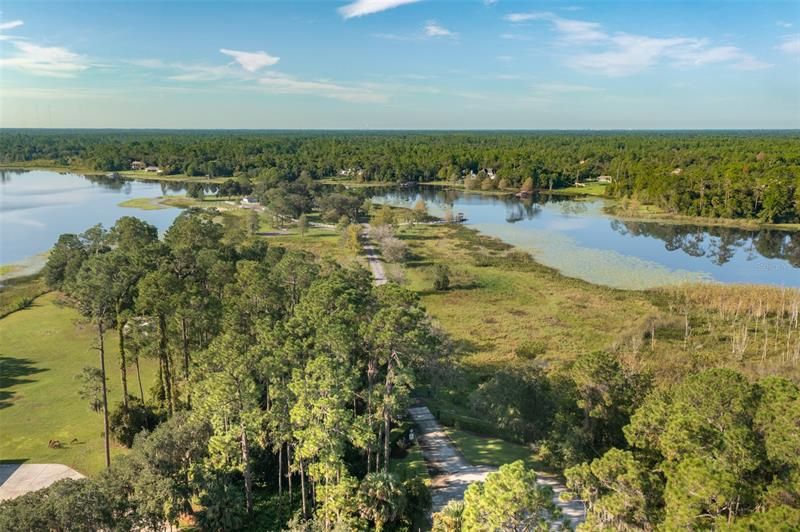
[578, 239]
[573, 236]
[37, 206]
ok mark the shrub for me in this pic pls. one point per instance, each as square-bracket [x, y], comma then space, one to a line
[125, 426]
[441, 280]
[23, 303]
[394, 249]
[530, 350]
[418, 501]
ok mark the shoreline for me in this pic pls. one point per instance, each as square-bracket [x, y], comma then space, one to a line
[610, 210]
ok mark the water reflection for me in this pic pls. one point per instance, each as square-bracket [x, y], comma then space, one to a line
[578, 238]
[37, 206]
[718, 244]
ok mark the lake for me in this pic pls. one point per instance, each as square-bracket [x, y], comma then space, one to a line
[572, 235]
[37, 206]
[575, 237]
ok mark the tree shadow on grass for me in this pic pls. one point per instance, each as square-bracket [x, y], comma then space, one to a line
[13, 372]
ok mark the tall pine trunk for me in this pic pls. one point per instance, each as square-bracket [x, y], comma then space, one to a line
[123, 363]
[387, 414]
[164, 355]
[372, 372]
[139, 378]
[102, 350]
[185, 340]
[289, 471]
[248, 476]
[303, 487]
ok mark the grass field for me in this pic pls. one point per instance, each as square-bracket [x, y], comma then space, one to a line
[638, 212]
[43, 348]
[488, 451]
[500, 302]
[18, 291]
[590, 189]
[145, 204]
[504, 310]
[411, 465]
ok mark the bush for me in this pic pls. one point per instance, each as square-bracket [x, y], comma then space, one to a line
[23, 303]
[441, 279]
[394, 250]
[124, 427]
[530, 350]
[418, 501]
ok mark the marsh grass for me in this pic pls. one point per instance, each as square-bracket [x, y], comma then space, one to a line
[505, 310]
[19, 293]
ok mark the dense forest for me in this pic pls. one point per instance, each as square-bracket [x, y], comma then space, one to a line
[747, 174]
[281, 385]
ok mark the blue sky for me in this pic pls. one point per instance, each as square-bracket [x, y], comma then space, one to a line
[384, 64]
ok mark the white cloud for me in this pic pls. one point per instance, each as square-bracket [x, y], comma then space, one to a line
[251, 61]
[505, 58]
[431, 30]
[10, 24]
[53, 61]
[396, 37]
[553, 88]
[628, 54]
[193, 72]
[434, 29]
[201, 72]
[592, 49]
[573, 31]
[783, 24]
[283, 84]
[515, 37]
[359, 8]
[790, 44]
[489, 2]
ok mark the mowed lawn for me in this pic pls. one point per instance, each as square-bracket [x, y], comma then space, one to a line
[42, 350]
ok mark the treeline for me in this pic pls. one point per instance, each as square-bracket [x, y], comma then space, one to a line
[281, 385]
[713, 452]
[747, 174]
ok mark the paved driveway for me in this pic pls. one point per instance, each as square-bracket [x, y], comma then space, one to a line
[19, 479]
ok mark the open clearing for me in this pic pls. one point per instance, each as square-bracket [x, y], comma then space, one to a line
[43, 348]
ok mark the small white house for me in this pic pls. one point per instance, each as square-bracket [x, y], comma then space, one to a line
[153, 169]
[138, 165]
[604, 179]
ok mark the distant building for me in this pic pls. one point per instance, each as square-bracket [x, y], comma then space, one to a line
[138, 165]
[250, 200]
[154, 169]
[604, 179]
[350, 172]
